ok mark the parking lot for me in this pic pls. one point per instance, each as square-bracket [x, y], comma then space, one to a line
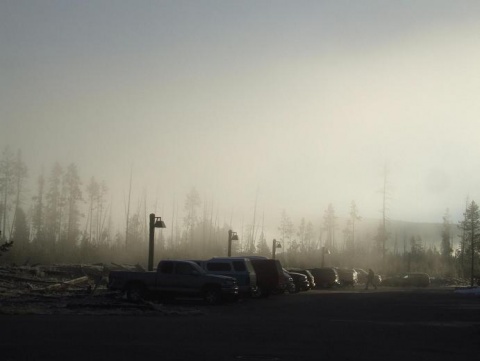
[387, 324]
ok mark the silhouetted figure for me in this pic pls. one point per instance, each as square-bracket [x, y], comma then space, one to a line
[370, 279]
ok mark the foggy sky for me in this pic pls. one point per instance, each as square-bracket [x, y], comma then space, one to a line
[295, 103]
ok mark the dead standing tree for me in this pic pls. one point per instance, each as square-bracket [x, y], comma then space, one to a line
[6, 187]
[127, 210]
[329, 226]
[192, 203]
[383, 235]
[6, 246]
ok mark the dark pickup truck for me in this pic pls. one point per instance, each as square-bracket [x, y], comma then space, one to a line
[174, 278]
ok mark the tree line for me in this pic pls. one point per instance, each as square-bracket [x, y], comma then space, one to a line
[68, 220]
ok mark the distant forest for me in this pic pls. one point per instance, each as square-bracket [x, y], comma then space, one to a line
[65, 219]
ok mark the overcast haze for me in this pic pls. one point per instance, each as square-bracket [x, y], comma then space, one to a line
[299, 102]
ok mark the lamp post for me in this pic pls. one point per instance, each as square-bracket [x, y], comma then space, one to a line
[232, 236]
[275, 245]
[155, 222]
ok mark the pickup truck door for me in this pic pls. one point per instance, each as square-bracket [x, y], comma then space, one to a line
[188, 280]
[166, 279]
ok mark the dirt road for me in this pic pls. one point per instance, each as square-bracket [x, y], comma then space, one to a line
[388, 324]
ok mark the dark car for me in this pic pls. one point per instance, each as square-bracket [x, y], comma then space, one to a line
[415, 279]
[347, 276]
[307, 273]
[270, 276]
[393, 281]
[326, 277]
[289, 285]
[300, 281]
[361, 275]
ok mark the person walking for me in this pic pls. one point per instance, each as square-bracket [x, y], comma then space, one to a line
[370, 279]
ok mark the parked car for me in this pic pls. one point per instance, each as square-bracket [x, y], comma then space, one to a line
[393, 281]
[174, 278]
[307, 273]
[300, 281]
[289, 284]
[415, 279]
[326, 277]
[237, 267]
[347, 277]
[270, 276]
[361, 275]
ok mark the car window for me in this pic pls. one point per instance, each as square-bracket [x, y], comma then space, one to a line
[239, 266]
[166, 267]
[218, 266]
[184, 269]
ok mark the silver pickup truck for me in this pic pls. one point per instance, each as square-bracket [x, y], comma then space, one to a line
[174, 278]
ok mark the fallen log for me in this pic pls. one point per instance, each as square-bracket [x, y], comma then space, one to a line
[66, 284]
[10, 277]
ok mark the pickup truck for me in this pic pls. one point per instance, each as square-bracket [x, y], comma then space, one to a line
[174, 278]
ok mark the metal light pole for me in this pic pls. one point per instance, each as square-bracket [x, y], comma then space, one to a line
[275, 245]
[155, 222]
[232, 236]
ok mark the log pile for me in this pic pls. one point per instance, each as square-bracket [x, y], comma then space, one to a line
[51, 277]
[71, 289]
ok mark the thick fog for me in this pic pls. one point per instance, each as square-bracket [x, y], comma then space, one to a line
[261, 106]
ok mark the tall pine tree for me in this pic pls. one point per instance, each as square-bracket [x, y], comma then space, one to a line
[471, 225]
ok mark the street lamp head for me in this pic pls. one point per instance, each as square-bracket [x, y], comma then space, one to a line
[159, 223]
[232, 236]
[277, 244]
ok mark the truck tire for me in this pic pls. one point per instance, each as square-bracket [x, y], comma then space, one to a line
[136, 292]
[212, 295]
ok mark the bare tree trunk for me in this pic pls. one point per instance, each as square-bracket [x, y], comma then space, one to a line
[252, 245]
[173, 224]
[128, 208]
[145, 216]
[5, 198]
[384, 216]
[17, 202]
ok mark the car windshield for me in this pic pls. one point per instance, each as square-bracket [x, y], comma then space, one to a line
[198, 268]
[188, 268]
